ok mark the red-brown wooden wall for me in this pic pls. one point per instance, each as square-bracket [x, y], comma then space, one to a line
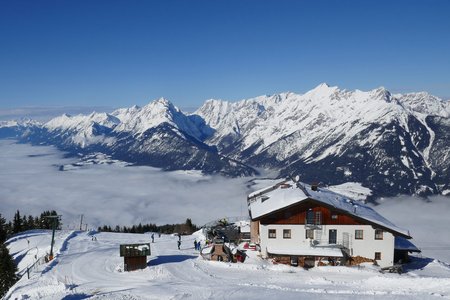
[297, 215]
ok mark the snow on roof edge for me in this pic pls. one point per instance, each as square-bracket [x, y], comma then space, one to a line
[260, 206]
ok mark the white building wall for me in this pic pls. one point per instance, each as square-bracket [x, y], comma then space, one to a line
[365, 247]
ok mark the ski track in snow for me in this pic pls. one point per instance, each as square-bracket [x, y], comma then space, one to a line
[87, 268]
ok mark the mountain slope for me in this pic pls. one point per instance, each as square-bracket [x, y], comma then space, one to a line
[392, 144]
[333, 136]
[158, 134]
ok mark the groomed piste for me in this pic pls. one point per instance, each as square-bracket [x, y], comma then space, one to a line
[92, 268]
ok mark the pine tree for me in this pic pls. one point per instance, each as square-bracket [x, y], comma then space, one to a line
[47, 223]
[17, 222]
[30, 222]
[3, 230]
[25, 226]
[9, 229]
[8, 270]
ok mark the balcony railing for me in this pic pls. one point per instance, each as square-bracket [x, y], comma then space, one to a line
[313, 223]
[340, 243]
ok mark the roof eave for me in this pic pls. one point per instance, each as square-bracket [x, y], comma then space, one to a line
[339, 210]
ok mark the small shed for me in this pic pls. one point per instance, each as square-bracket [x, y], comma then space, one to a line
[135, 256]
[402, 248]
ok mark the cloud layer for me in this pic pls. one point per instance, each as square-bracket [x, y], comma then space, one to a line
[426, 219]
[111, 194]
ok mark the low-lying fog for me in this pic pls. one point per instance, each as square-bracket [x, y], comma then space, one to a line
[112, 194]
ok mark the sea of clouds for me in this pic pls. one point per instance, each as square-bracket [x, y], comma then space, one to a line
[30, 181]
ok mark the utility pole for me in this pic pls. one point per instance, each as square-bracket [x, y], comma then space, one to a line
[81, 222]
[55, 218]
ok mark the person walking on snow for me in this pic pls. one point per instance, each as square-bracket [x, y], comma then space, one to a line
[179, 244]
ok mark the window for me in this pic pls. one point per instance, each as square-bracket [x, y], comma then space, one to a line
[272, 234]
[358, 234]
[309, 234]
[332, 238]
[377, 255]
[313, 217]
[310, 217]
[318, 219]
[286, 233]
[378, 234]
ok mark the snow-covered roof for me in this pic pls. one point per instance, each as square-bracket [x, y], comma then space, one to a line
[275, 197]
[305, 251]
[287, 193]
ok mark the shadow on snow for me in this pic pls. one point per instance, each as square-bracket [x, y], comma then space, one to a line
[417, 263]
[167, 259]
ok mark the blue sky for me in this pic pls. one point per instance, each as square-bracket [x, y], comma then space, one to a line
[120, 53]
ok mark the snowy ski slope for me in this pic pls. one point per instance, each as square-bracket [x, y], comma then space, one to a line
[85, 268]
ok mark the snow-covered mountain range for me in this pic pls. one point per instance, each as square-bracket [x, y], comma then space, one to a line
[390, 143]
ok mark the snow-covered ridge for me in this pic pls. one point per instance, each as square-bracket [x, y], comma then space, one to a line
[19, 123]
[322, 111]
[135, 120]
[424, 103]
[80, 122]
[352, 135]
[328, 122]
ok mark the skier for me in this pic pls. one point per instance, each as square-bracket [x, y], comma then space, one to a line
[179, 244]
[195, 244]
[199, 245]
[153, 238]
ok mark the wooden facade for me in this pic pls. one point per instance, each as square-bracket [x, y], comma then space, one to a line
[307, 226]
[133, 263]
[297, 214]
[135, 256]
[254, 232]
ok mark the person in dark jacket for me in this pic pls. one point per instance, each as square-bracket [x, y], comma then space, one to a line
[179, 244]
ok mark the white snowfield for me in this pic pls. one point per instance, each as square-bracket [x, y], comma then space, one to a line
[91, 268]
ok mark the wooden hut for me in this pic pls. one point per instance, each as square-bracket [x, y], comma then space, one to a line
[135, 256]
